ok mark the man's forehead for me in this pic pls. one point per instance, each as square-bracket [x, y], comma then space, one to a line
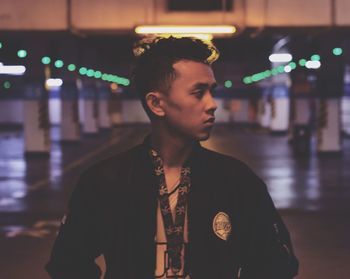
[184, 64]
[194, 71]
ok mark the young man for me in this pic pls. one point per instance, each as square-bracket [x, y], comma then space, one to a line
[169, 208]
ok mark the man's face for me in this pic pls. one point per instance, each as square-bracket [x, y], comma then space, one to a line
[190, 104]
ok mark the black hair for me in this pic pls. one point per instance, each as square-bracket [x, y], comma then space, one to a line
[154, 59]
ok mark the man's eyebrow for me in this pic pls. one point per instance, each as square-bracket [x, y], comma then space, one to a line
[203, 85]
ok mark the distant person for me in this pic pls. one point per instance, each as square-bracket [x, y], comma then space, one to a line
[169, 208]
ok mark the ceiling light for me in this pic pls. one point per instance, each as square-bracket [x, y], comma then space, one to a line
[280, 57]
[215, 30]
[12, 70]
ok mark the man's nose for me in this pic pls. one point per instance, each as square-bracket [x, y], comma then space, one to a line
[211, 105]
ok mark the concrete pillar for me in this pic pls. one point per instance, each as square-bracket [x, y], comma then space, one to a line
[328, 125]
[301, 112]
[239, 108]
[36, 119]
[279, 101]
[264, 108]
[345, 103]
[300, 128]
[253, 110]
[301, 92]
[330, 89]
[89, 108]
[104, 114]
[302, 98]
[70, 126]
[116, 108]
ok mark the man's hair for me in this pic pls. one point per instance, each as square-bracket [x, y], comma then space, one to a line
[154, 59]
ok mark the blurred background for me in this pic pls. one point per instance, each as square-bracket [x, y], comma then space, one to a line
[66, 100]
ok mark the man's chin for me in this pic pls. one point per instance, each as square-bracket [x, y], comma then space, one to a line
[200, 135]
[203, 136]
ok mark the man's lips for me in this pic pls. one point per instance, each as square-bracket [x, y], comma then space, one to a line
[210, 120]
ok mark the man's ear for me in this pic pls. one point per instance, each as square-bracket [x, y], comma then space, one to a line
[154, 102]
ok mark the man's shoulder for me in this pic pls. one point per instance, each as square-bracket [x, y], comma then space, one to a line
[223, 161]
[114, 164]
[103, 178]
[233, 170]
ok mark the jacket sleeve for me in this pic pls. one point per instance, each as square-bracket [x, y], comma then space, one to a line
[76, 246]
[270, 253]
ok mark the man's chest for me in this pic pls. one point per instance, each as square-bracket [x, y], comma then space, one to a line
[212, 211]
[128, 219]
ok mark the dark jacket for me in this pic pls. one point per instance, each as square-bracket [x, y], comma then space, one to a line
[112, 211]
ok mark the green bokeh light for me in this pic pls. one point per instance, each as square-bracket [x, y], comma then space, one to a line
[315, 57]
[228, 84]
[7, 85]
[90, 73]
[110, 77]
[257, 77]
[82, 71]
[292, 65]
[266, 74]
[302, 62]
[274, 71]
[46, 60]
[98, 74]
[280, 69]
[0, 45]
[122, 81]
[71, 67]
[22, 53]
[247, 80]
[59, 63]
[337, 51]
[104, 77]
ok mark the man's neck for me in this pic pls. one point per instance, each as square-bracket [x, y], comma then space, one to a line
[173, 150]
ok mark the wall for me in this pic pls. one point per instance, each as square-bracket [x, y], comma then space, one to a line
[296, 13]
[33, 15]
[121, 15]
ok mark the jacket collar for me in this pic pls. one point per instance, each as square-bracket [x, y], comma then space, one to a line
[196, 149]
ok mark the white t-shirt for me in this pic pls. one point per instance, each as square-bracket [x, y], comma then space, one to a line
[161, 259]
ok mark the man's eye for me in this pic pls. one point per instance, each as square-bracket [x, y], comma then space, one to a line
[199, 93]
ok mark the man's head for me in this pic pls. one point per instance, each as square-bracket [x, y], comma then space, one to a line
[175, 82]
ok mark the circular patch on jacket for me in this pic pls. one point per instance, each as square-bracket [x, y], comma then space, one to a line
[222, 225]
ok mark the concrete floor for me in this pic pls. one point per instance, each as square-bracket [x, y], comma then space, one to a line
[312, 194]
